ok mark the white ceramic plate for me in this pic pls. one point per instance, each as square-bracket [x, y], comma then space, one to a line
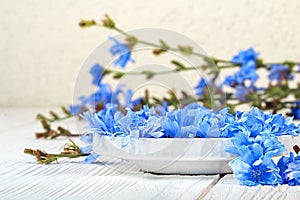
[175, 155]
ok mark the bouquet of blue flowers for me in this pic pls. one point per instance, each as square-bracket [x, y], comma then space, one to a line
[254, 134]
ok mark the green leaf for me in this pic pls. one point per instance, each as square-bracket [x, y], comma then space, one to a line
[118, 75]
[297, 93]
[131, 41]
[66, 111]
[290, 64]
[157, 100]
[231, 108]
[277, 91]
[164, 45]
[260, 64]
[106, 72]
[185, 49]
[179, 66]
[149, 74]
[163, 48]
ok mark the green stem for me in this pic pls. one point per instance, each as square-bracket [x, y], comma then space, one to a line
[60, 119]
[216, 60]
[69, 155]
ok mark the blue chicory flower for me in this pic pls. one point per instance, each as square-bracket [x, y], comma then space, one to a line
[290, 169]
[129, 102]
[201, 87]
[104, 94]
[269, 143]
[247, 72]
[91, 158]
[96, 71]
[161, 110]
[247, 59]
[75, 109]
[88, 139]
[257, 122]
[239, 139]
[296, 110]
[283, 161]
[253, 167]
[241, 92]
[245, 56]
[279, 73]
[296, 113]
[123, 51]
[187, 122]
[292, 173]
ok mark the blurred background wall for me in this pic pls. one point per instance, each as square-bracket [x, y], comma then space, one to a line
[42, 47]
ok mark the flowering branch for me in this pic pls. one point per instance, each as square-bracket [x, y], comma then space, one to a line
[54, 116]
[109, 23]
[273, 97]
[50, 133]
[71, 150]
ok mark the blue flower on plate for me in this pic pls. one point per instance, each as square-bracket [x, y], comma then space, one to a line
[186, 123]
[153, 127]
[257, 122]
[144, 123]
[253, 121]
[253, 167]
[217, 119]
[103, 122]
[161, 110]
[279, 73]
[123, 51]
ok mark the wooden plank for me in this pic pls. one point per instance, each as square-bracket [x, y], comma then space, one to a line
[78, 181]
[22, 178]
[228, 188]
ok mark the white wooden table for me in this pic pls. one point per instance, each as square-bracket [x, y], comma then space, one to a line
[22, 178]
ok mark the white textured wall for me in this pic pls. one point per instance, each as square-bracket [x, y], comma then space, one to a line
[42, 48]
